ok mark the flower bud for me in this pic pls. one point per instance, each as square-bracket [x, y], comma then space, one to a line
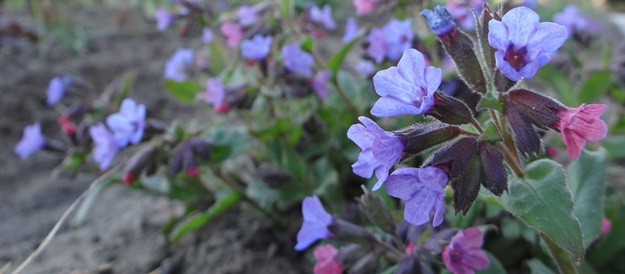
[458, 45]
[420, 137]
[524, 109]
[495, 175]
[450, 110]
[482, 35]
[376, 211]
[453, 158]
[184, 158]
[138, 162]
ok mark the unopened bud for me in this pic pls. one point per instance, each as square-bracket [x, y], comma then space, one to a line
[453, 158]
[67, 125]
[201, 148]
[524, 109]
[482, 34]
[450, 110]
[193, 171]
[458, 45]
[138, 162]
[420, 137]
[376, 211]
[495, 175]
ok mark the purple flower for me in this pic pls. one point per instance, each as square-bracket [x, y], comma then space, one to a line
[380, 150]
[399, 37]
[365, 68]
[128, 124]
[390, 41]
[440, 21]
[164, 18]
[461, 11]
[316, 222]
[32, 141]
[297, 60]
[56, 89]
[207, 35]
[423, 189]
[105, 145]
[177, 66]
[463, 255]
[247, 15]
[377, 45]
[256, 48]
[523, 43]
[215, 93]
[351, 30]
[323, 17]
[320, 84]
[406, 89]
[572, 19]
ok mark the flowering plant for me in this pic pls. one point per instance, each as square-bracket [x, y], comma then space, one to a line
[287, 118]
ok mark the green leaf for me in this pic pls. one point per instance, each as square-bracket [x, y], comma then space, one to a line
[185, 92]
[586, 181]
[286, 8]
[615, 145]
[560, 83]
[488, 101]
[336, 60]
[307, 44]
[538, 267]
[228, 143]
[562, 257]
[196, 222]
[543, 202]
[595, 86]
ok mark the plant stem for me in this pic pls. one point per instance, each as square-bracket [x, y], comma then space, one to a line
[512, 161]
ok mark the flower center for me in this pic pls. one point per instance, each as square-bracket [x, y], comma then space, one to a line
[515, 57]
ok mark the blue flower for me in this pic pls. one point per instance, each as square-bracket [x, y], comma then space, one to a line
[56, 89]
[440, 21]
[105, 145]
[316, 222]
[216, 95]
[320, 84]
[423, 189]
[390, 41]
[207, 35]
[524, 44]
[323, 17]
[406, 89]
[247, 15]
[164, 18]
[256, 48]
[128, 124]
[351, 30]
[177, 66]
[31, 142]
[297, 60]
[380, 150]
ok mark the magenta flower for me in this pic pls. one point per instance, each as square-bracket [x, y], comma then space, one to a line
[408, 88]
[606, 226]
[164, 18]
[233, 33]
[256, 48]
[380, 150]
[32, 141]
[320, 84]
[463, 255]
[523, 43]
[297, 60]
[578, 125]
[423, 189]
[128, 124]
[105, 145]
[351, 30]
[178, 64]
[247, 15]
[461, 11]
[326, 260]
[316, 222]
[323, 16]
[56, 89]
[207, 35]
[216, 94]
[364, 7]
